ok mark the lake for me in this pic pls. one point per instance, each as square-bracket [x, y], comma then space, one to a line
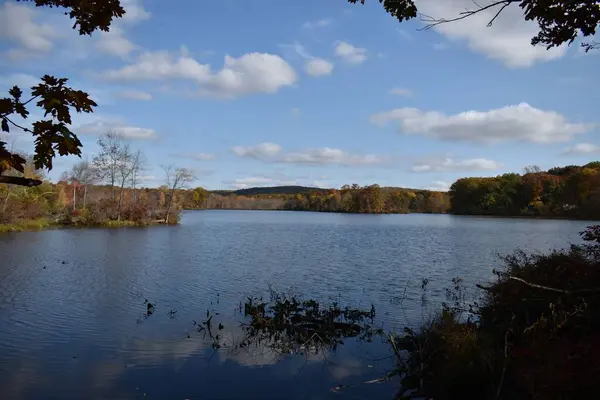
[72, 302]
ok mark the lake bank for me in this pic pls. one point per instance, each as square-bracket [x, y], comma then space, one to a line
[48, 223]
[40, 224]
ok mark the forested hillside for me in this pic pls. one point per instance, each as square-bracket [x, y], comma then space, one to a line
[567, 192]
[571, 191]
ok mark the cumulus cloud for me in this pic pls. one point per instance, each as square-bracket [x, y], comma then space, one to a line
[196, 156]
[314, 66]
[518, 122]
[278, 179]
[134, 95]
[263, 151]
[134, 11]
[350, 54]
[508, 40]
[19, 24]
[260, 181]
[321, 23]
[273, 153]
[401, 92]
[247, 74]
[318, 67]
[582, 149]
[100, 126]
[447, 164]
[115, 43]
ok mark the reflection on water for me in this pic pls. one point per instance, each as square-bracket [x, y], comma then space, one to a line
[70, 300]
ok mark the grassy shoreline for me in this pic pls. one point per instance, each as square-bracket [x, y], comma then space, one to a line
[40, 224]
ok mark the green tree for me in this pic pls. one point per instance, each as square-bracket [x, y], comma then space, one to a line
[200, 195]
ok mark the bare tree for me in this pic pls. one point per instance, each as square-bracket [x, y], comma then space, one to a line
[176, 178]
[124, 171]
[84, 173]
[108, 161]
[138, 165]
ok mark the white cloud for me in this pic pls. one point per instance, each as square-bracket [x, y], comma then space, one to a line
[134, 95]
[271, 152]
[115, 43]
[318, 67]
[196, 156]
[258, 181]
[314, 66]
[440, 186]
[19, 24]
[317, 24]
[101, 126]
[350, 54]
[250, 73]
[277, 179]
[134, 11]
[401, 92]
[519, 123]
[447, 164]
[508, 40]
[582, 149]
[261, 151]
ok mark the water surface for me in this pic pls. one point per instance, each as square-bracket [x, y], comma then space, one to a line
[71, 301]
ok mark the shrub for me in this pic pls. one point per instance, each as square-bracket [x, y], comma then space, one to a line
[535, 335]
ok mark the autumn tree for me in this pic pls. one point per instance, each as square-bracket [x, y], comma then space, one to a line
[57, 100]
[559, 21]
[175, 178]
[199, 196]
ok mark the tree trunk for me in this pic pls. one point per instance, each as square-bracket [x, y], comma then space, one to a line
[120, 202]
[169, 207]
[84, 196]
[74, 197]
[8, 191]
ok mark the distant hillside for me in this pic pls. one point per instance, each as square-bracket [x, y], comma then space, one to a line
[271, 190]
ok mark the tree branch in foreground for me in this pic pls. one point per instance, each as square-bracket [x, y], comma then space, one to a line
[431, 21]
[15, 180]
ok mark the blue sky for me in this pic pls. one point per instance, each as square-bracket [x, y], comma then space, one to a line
[269, 92]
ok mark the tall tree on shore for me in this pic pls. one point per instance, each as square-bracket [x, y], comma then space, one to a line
[175, 178]
[113, 152]
[84, 173]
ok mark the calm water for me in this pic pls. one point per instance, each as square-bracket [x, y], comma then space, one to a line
[71, 301]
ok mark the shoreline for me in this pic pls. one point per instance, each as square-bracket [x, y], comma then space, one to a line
[43, 224]
[532, 217]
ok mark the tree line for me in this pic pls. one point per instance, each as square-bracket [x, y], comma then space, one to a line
[571, 191]
[104, 191]
[107, 191]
